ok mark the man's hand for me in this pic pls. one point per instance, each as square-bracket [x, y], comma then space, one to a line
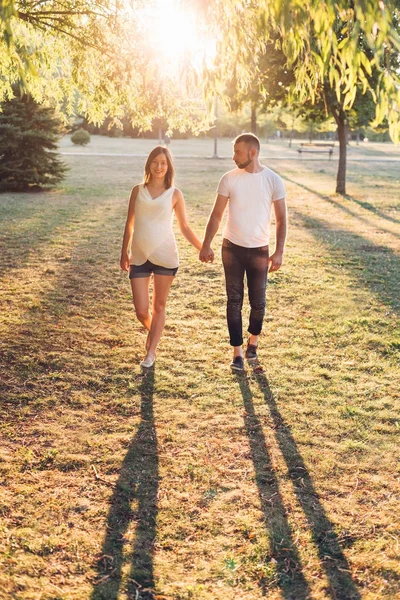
[206, 254]
[124, 262]
[275, 261]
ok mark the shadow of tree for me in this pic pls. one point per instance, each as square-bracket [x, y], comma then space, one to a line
[373, 209]
[137, 484]
[289, 573]
[347, 210]
[30, 230]
[333, 561]
[47, 332]
[375, 267]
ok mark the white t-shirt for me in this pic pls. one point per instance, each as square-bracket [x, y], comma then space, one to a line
[249, 205]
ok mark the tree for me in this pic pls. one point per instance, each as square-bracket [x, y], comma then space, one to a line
[91, 58]
[29, 134]
[347, 47]
[360, 107]
[268, 85]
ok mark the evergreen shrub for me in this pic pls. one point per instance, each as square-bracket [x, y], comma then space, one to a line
[29, 134]
[80, 137]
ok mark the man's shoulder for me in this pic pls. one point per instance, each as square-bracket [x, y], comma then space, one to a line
[232, 176]
[269, 173]
[231, 173]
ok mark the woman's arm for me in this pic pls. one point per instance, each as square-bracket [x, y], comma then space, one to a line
[126, 242]
[180, 212]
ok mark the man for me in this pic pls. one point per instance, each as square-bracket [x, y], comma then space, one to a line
[249, 191]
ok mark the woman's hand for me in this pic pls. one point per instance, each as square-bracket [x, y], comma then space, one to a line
[124, 262]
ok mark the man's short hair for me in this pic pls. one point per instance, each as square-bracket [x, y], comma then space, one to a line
[248, 138]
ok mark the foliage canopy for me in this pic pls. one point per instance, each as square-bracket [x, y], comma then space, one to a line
[89, 57]
[341, 41]
[95, 57]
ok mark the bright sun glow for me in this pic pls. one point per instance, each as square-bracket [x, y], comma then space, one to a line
[174, 33]
[175, 30]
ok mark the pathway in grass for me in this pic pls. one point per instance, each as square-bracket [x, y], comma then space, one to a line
[191, 482]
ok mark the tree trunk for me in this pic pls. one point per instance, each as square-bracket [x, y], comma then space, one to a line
[215, 155]
[253, 118]
[340, 118]
[291, 133]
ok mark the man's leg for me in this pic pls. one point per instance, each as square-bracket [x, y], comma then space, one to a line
[257, 272]
[234, 277]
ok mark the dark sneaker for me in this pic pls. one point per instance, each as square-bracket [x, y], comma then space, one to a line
[251, 352]
[237, 364]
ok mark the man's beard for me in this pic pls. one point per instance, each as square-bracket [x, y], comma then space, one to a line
[243, 165]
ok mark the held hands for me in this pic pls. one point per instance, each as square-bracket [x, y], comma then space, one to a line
[206, 254]
[275, 262]
[124, 262]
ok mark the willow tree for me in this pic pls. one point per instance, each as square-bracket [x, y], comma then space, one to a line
[91, 57]
[346, 46]
[267, 87]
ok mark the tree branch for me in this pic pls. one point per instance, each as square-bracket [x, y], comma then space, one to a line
[51, 27]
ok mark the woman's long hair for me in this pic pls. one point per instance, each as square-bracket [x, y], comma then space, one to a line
[170, 174]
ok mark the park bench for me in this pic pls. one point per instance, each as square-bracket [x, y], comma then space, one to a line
[317, 147]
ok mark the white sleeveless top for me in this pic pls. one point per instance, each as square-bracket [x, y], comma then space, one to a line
[153, 238]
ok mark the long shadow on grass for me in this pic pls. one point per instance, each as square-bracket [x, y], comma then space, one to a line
[48, 335]
[30, 224]
[133, 503]
[348, 211]
[283, 550]
[370, 207]
[375, 267]
[334, 563]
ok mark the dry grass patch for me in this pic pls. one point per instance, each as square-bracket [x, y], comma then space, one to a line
[190, 482]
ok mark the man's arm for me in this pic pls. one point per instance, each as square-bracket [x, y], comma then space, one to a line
[214, 221]
[275, 261]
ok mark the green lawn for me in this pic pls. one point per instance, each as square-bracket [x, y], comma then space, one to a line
[191, 482]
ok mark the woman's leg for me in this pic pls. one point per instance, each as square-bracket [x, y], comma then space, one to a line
[162, 285]
[141, 301]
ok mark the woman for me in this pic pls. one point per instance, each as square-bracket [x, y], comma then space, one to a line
[149, 244]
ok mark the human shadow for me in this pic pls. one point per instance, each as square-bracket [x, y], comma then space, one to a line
[133, 503]
[333, 560]
[284, 553]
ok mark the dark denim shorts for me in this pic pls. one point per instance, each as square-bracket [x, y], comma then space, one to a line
[147, 268]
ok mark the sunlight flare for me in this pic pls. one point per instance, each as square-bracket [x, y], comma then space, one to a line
[175, 34]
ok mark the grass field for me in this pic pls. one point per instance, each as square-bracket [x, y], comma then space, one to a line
[190, 482]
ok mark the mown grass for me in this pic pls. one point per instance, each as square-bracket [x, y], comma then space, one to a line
[190, 482]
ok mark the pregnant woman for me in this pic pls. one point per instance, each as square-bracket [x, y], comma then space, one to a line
[149, 246]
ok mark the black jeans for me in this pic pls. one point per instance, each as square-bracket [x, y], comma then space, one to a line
[237, 261]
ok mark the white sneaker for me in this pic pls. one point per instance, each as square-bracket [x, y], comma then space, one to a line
[148, 362]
